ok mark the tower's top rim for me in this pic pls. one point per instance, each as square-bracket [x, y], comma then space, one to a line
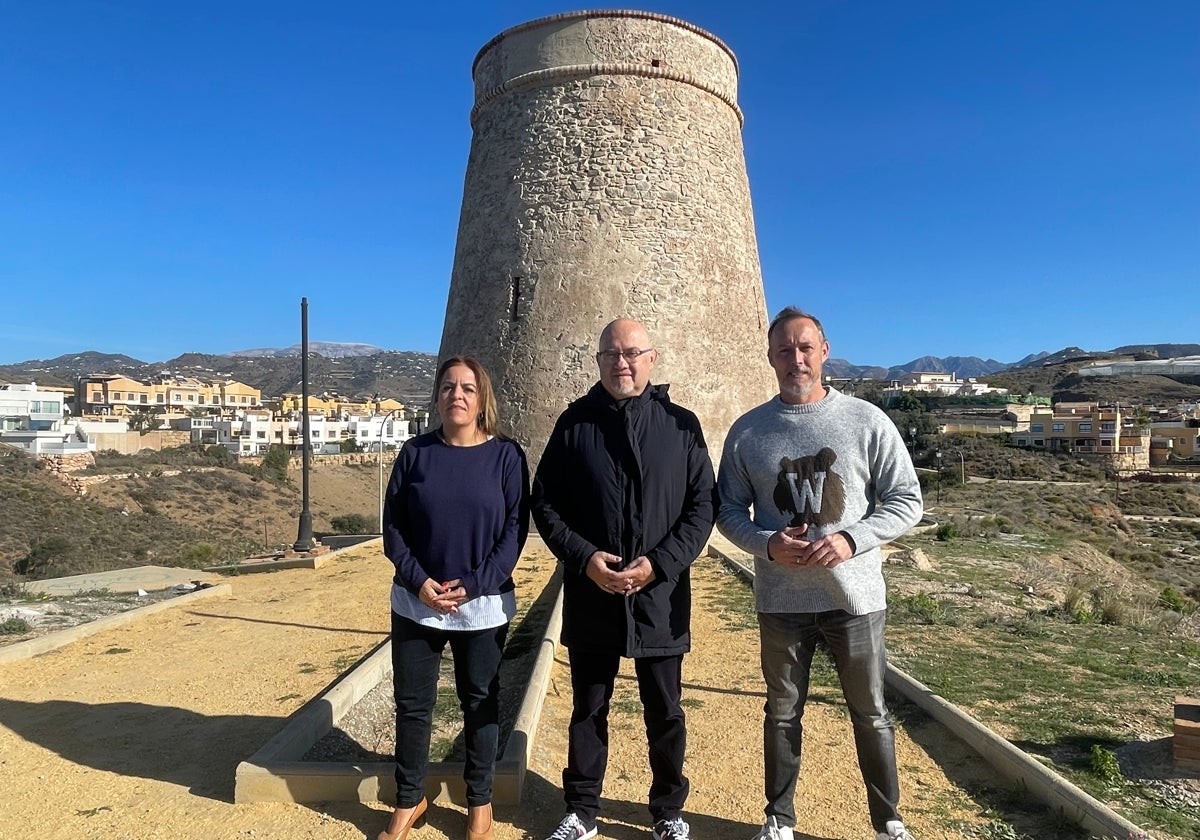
[603, 13]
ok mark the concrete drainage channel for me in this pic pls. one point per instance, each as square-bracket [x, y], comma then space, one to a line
[276, 773]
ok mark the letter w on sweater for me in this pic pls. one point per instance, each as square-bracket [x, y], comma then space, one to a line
[810, 490]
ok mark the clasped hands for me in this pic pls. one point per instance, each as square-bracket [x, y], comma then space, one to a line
[789, 547]
[604, 570]
[444, 597]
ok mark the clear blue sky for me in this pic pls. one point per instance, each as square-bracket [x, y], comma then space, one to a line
[942, 178]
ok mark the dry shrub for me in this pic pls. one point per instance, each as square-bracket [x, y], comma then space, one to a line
[1037, 576]
[1121, 607]
[1077, 604]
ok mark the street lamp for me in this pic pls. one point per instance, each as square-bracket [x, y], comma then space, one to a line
[381, 425]
[912, 443]
[962, 462]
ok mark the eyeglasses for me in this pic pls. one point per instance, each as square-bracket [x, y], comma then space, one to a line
[630, 356]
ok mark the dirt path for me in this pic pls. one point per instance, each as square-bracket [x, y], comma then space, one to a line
[134, 734]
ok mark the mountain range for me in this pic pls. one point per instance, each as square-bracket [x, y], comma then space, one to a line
[354, 369]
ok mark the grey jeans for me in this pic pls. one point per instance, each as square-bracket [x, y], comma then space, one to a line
[787, 644]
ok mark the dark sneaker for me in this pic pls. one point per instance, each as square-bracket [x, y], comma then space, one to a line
[675, 829]
[573, 828]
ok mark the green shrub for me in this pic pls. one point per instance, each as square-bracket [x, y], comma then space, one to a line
[218, 453]
[353, 523]
[14, 626]
[946, 531]
[1172, 599]
[275, 464]
[922, 608]
[43, 554]
[1105, 767]
[198, 554]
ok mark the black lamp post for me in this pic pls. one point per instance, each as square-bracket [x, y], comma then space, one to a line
[382, 425]
[304, 535]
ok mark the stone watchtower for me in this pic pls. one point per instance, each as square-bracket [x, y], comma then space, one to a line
[607, 179]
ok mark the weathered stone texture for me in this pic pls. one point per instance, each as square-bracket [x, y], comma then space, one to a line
[601, 185]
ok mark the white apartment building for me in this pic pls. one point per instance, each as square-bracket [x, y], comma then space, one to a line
[34, 420]
[255, 432]
[374, 433]
[942, 383]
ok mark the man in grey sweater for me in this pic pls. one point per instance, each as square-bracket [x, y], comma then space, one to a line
[812, 483]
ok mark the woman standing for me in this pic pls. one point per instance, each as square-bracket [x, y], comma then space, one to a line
[455, 520]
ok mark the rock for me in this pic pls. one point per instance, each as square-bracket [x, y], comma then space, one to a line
[23, 613]
[916, 558]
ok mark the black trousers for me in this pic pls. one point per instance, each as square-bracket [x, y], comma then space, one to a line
[660, 687]
[416, 657]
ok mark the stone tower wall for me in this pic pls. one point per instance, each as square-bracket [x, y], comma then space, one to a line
[607, 178]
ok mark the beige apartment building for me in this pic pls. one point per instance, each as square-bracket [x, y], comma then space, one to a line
[1176, 436]
[1078, 427]
[338, 406]
[101, 394]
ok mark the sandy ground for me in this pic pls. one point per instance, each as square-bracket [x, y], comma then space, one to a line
[135, 733]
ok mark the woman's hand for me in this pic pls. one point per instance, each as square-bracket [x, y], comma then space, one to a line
[444, 598]
[454, 594]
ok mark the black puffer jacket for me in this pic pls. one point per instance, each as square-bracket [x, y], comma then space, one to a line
[629, 478]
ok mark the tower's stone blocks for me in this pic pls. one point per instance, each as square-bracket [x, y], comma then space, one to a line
[607, 178]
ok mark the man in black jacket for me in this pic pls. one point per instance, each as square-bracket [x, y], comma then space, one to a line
[624, 497]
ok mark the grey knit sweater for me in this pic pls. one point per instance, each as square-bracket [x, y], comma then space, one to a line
[836, 465]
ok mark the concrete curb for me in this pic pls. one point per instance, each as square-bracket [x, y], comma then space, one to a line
[276, 774]
[317, 561]
[1014, 764]
[59, 638]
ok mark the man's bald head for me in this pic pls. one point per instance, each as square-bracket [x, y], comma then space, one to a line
[625, 358]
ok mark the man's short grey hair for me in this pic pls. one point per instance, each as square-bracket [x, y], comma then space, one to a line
[790, 313]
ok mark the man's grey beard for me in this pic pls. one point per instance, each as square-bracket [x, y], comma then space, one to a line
[798, 389]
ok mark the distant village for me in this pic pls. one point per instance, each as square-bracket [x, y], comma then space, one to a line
[117, 412]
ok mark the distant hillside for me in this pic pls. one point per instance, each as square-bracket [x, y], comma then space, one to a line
[407, 376]
[1077, 354]
[64, 370]
[200, 511]
[1056, 376]
[964, 367]
[843, 369]
[1162, 351]
[362, 370]
[328, 349]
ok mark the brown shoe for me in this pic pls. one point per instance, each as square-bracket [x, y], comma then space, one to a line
[487, 833]
[416, 819]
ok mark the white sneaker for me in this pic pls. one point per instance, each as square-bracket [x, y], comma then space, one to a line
[894, 830]
[573, 828]
[772, 830]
